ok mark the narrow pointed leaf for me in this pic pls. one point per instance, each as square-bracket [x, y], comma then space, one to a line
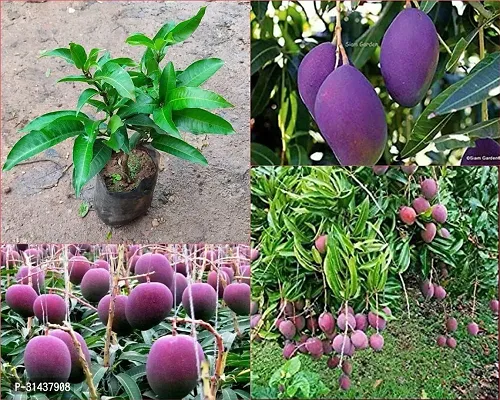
[61, 52]
[45, 119]
[167, 81]
[196, 120]
[118, 140]
[427, 6]
[140, 39]
[190, 97]
[130, 386]
[481, 84]
[115, 122]
[78, 55]
[143, 121]
[40, 140]
[364, 45]
[163, 118]
[425, 128]
[91, 59]
[178, 148]
[75, 78]
[83, 150]
[86, 95]
[186, 28]
[199, 71]
[262, 52]
[117, 77]
[164, 30]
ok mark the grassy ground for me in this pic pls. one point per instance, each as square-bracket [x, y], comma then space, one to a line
[411, 365]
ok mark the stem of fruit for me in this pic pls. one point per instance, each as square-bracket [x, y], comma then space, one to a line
[236, 325]
[147, 275]
[345, 335]
[484, 104]
[406, 295]
[474, 299]
[338, 36]
[83, 362]
[219, 366]
[73, 297]
[114, 291]
[408, 4]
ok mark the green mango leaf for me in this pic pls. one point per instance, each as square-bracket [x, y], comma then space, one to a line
[149, 64]
[481, 84]
[164, 30]
[428, 124]
[259, 8]
[463, 43]
[427, 6]
[143, 121]
[199, 71]
[91, 59]
[104, 59]
[163, 118]
[263, 52]
[40, 140]
[75, 78]
[78, 55]
[186, 28]
[43, 120]
[114, 123]
[144, 104]
[269, 77]
[83, 149]
[263, 155]
[118, 140]
[118, 78]
[167, 81]
[192, 97]
[297, 155]
[99, 105]
[124, 61]
[139, 39]
[101, 156]
[178, 148]
[364, 45]
[130, 386]
[86, 95]
[60, 52]
[196, 120]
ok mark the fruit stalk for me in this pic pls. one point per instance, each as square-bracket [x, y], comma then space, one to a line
[114, 292]
[338, 38]
[83, 362]
[484, 104]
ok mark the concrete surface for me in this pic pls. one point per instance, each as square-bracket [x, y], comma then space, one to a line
[191, 203]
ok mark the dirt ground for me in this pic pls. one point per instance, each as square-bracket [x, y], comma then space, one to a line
[191, 203]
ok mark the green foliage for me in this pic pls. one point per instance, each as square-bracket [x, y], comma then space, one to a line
[150, 101]
[290, 381]
[370, 252]
[284, 133]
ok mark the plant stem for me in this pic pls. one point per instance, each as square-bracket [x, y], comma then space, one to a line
[114, 291]
[338, 34]
[124, 165]
[480, 9]
[484, 104]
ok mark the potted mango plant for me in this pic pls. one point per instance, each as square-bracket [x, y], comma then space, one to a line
[138, 110]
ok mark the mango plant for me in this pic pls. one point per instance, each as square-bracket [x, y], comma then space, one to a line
[133, 103]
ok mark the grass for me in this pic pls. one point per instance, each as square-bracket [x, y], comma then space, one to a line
[410, 365]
